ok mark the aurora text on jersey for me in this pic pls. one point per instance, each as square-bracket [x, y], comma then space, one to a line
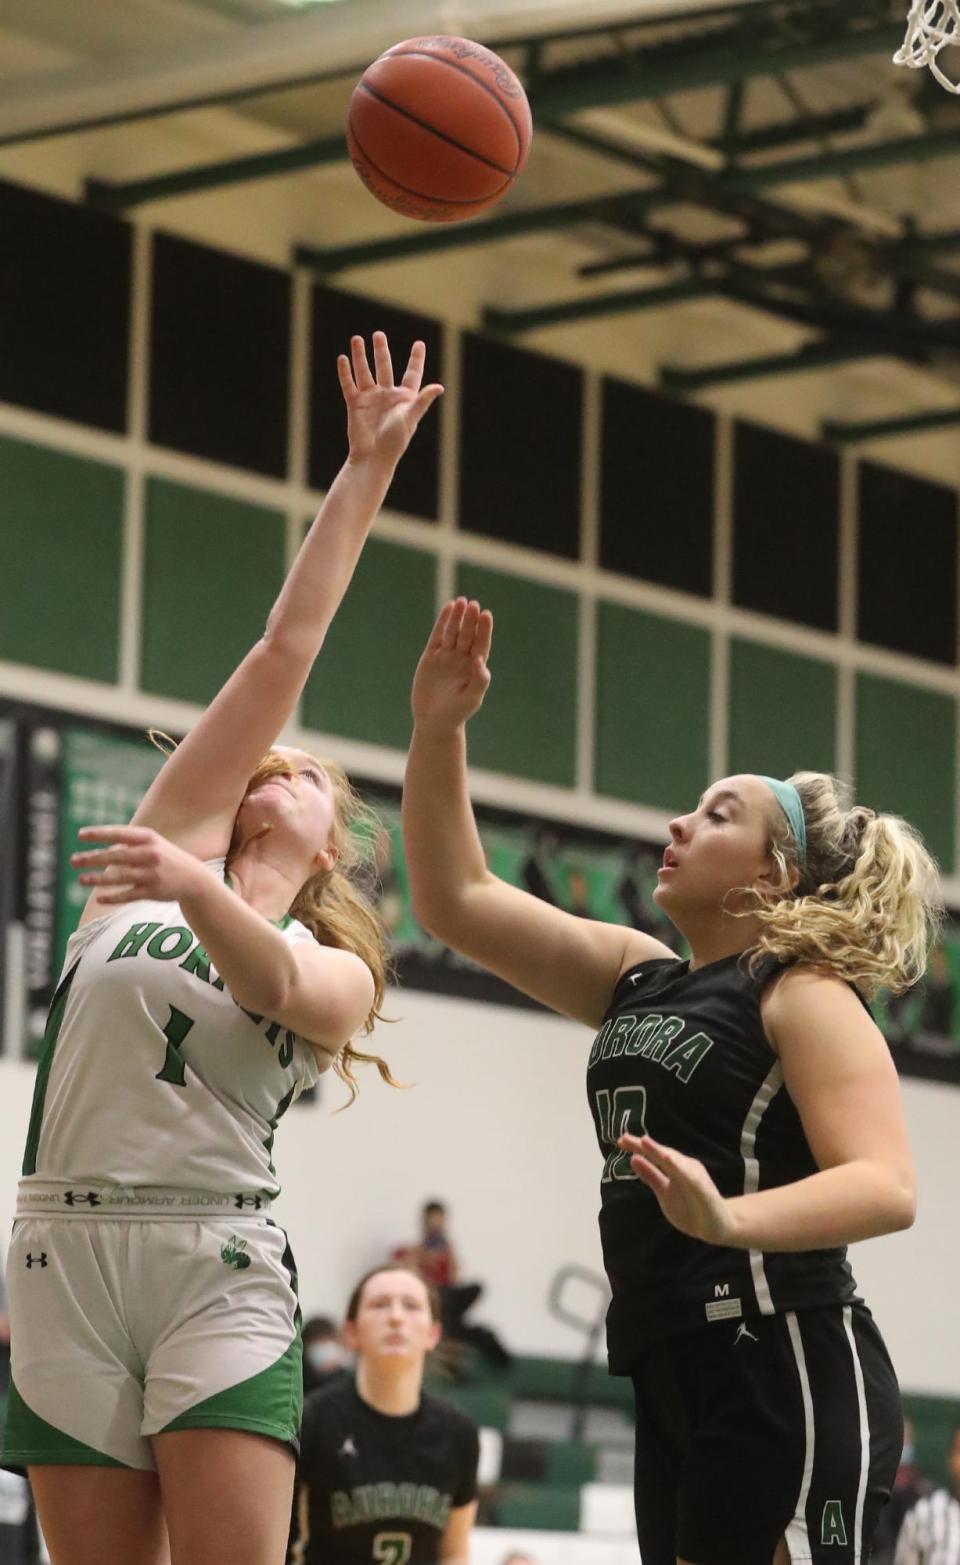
[375, 1502]
[372, 1487]
[683, 1057]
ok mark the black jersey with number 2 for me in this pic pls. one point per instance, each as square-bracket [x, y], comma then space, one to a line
[372, 1489]
[683, 1057]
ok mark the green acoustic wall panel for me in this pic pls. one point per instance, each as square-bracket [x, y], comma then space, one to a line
[652, 708]
[782, 712]
[906, 757]
[212, 568]
[361, 684]
[61, 530]
[528, 722]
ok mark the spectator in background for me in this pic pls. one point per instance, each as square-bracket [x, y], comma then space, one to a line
[909, 1486]
[324, 1355]
[633, 893]
[578, 892]
[536, 871]
[434, 1259]
[930, 1534]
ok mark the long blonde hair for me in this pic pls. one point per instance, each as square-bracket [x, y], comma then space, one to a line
[337, 905]
[867, 904]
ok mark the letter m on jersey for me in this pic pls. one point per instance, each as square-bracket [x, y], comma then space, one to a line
[832, 1528]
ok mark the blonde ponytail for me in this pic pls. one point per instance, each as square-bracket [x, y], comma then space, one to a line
[867, 904]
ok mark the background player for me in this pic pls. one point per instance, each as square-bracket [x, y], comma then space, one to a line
[768, 1414]
[156, 1362]
[386, 1472]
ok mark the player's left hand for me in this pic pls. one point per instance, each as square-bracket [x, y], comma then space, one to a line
[382, 417]
[135, 864]
[688, 1197]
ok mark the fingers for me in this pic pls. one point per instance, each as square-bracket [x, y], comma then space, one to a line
[413, 374]
[361, 369]
[345, 375]
[131, 834]
[104, 857]
[428, 396]
[484, 637]
[463, 626]
[354, 373]
[382, 359]
[440, 625]
[650, 1176]
[451, 625]
[468, 626]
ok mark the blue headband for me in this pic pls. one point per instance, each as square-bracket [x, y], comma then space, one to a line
[788, 799]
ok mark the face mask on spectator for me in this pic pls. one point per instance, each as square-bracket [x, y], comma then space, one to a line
[324, 1356]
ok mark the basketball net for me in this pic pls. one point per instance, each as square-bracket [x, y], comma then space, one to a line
[931, 25]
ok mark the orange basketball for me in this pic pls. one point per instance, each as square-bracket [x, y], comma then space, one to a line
[438, 128]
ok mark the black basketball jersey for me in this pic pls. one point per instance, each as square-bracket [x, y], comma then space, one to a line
[372, 1489]
[683, 1056]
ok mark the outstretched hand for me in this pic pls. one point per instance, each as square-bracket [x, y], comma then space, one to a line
[452, 676]
[135, 864]
[382, 417]
[688, 1197]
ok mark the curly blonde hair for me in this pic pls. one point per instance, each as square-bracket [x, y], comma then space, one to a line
[866, 904]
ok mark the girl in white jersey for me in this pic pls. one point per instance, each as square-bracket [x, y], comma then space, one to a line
[222, 962]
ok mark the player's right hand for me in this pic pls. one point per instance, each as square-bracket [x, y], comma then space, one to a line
[452, 676]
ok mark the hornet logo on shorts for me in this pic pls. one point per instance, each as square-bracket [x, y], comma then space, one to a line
[232, 1253]
[73, 1197]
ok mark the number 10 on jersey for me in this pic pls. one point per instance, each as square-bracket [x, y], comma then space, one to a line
[625, 1110]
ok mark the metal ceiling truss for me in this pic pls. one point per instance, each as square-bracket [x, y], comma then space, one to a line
[812, 356]
[841, 433]
[754, 40]
[733, 46]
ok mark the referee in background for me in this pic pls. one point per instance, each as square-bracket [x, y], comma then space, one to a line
[930, 1534]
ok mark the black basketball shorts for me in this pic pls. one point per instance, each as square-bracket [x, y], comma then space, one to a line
[780, 1426]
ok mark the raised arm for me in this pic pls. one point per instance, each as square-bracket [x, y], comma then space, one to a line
[195, 797]
[568, 963]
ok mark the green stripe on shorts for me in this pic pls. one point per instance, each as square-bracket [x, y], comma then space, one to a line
[30, 1441]
[269, 1403]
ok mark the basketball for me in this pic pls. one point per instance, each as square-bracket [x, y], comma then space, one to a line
[438, 128]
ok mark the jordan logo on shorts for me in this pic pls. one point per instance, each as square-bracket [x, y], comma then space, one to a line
[832, 1529]
[37, 1260]
[232, 1253]
[743, 1331]
[348, 1448]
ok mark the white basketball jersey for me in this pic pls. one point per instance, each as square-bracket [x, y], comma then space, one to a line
[151, 1074]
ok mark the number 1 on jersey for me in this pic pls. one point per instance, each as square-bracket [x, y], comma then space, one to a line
[174, 1067]
[626, 1113]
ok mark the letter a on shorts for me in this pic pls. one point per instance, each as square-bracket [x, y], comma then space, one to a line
[832, 1529]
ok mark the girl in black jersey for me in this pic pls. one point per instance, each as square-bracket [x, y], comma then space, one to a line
[387, 1474]
[749, 1123]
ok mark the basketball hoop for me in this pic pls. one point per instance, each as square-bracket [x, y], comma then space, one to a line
[931, 26]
